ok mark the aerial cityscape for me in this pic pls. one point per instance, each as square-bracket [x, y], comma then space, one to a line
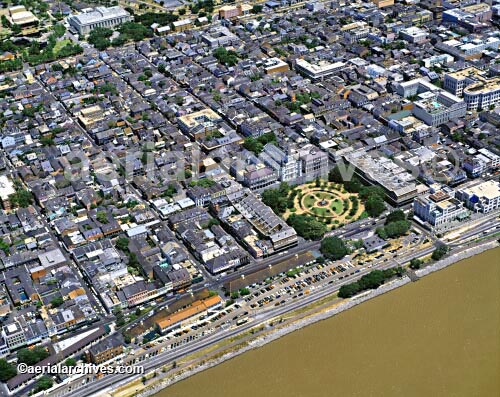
[182, 181]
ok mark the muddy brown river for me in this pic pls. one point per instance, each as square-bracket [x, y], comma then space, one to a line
[439, 336]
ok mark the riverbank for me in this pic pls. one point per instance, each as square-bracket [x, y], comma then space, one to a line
[280, 331]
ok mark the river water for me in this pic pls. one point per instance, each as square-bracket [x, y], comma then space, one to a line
[439, 336]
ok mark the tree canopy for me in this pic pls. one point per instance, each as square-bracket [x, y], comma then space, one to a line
[45, 382]
[395, 216]
[7, 370]
[372, 280]
[333, 248]
[374, 206]
[277, 199]
[122, 244]
[416, 263]
[394, 229]
[335, 175]
[440, 252]
[307, 226]
[21, 198]
[256, 145]
[32, 356]
[228, 58]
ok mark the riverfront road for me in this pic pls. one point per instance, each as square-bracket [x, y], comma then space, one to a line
[78, 388]
[151, 363]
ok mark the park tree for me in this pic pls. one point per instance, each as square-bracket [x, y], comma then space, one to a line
[7, 370]
[440, 252]
[368, 191]
[307, 226]
[348, 290]
[416, 263]
[398, 228]
[395, 216]
[59, 30]
[333, 248]
[44, 383]
[32, 356]
[277, 199]
[374, 206]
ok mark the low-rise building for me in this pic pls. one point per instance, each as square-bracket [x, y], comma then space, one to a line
[18, 15]
[318, 71]
[264, 220]
[400, 186]
[187, 316]
[102, 17]
[199, 124]
[6, 190]
[182, 25]
[414, 35]
[383, 3]
[106, 350]
[275, 65]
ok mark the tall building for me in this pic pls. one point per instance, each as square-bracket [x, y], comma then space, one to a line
[435, 6]
[482, 196]
[435, 109]
[102, 17]
[439, 208]
[478, 91]
[14, 335]
[296, 166]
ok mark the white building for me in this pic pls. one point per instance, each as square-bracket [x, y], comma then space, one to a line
[435, 109]
[483, 94]
[103, 17]
[439, 208]
[481, 196]
[319, 70]
[481, 162]
[479, 92]
[297, 166]
[413, 34]
[455, 82]
[416, 86]
[6, 189]
[442, 59]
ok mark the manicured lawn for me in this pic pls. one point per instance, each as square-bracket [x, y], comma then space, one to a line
[309, 200]
[338, 207]
[60, 44]
[322, 211]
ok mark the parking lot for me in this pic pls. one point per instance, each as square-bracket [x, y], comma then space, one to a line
[280, 290]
